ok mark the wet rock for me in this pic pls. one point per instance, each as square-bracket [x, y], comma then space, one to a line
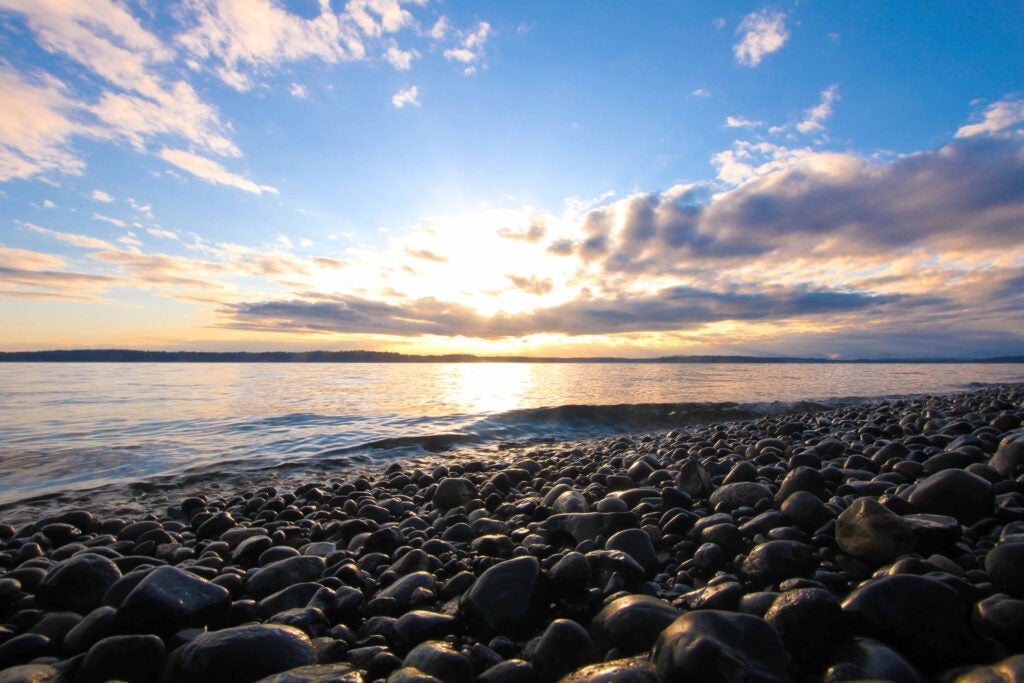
[775, 561]
[1009, 670]
[714, 646]
[95, 626]
[921, 616]
[418, 626]
[954, 492]
[809, 620]
[586, 526]
[870, 660]
[636, 670]
[694, 479]
[440, 660]
[453, 491]
[509, 671]
[405, 591]
[570, 574]
[169, 599]
[123, 658]
[1005, 566]
[279, 575]
[78, 583]
[23, 648]
[317, 673]
[1009, 458]
[502, 600]
[30, 673]
[240, 653]
[637, 544]
[563, 647]
[631, 624]
[1001, 617]
[740, 494]
[869, 530]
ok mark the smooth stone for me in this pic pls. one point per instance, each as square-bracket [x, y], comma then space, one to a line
[956, 493]
[776, 561]
[1008, 459]
[292, 597]
[637, 544]
[419, 626]
[309, 620]
[570, 501]
[502, 600]
[170, 599]
[631, 623]
[868, 530]
[337, 672]
[77, 584]
[242, 653]
[22, 649]
[720, 647]
[1001, 617]
[279, 575]
[586, 526]
[874, 661]
[740, 494]
[805, 510]
[635, 670]
[809, 621]
[439, 659]
[920, 616]
[1005, 566]
[563, 647]
[509, 671]
[30, 673]
[91, 629]
[404, 590]
[454, 491]
[129, 658]
[1009, 670]
[570, 574]
[695, 480]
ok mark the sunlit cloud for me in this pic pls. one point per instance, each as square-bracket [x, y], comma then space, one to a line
[407, 96]
[815, 117]
[101, 196]
[761, 33]
[211, 171]
[999, 117]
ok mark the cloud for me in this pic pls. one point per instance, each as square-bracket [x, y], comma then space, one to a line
[471, 45]
[999, 117]
[741, 122]
[408, 96]
[427, 255]
[532, 284]
[400, 59]
[747, 160]
[298, 90]
[107, 219]
[211, 171]
[761, 33]
[815, 117]
[83, 241]
[101, 196]
[701, 92]
[532, 234]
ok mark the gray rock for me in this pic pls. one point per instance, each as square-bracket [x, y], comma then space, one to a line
[170, 599]
[870, 531]
[439, 659]
[631, 624]
[740, 494]
[78, 583]
[454, 491]
[1009, 458]
[242, 653]
[279, 575]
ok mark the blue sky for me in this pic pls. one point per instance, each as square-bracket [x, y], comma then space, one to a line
[811, 178]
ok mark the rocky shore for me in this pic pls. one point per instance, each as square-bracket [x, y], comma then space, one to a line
[881, 540]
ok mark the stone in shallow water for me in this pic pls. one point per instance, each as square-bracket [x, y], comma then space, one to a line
[631, 624]
[502, 600]
[242, 653]
[720, 647]
[920, 616]
[869, 530]
[170, 599]
[78, 583]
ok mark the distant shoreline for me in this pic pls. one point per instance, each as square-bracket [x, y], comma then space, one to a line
[135, 356]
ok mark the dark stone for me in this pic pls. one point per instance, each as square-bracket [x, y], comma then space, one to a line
[91, 629]
[502, 600]
[586, 526]
[776, 561]
[1005, 566]
[404, 590]
[407, 674]
[454, 491]
[293, 597]
[740, 494]
[1009, 670]
[279, 575]
[77, 584]
[170, 599]
[870, 660]
[1009, 458]
[440, 660]
[24, 648]
[215, 526]
[720, 647]
[956, 493]
[805, 510]
[637, 544]
[570, 574]
[336, 672]
[309, 620]
[31, 673]
[809, 620]
[631, 624]
[135, 658]
[418, 626]
[921, 616]
[869, 530]
[509, 671]
[563, 647]
[635, 670]
[694, 479]
[1001, 617]
[243, 653]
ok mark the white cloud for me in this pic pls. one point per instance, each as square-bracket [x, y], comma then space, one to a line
[101, 196]
[999, 117]
[741, 122]
[47, 204]
[107, 219]
[299, 91]
[440, 29]
[815, 117]
[400, 59]
[471, 45]
[701, 92]
[163, 234]
[747, 160]
[408, 96]
[82, 241]
[211, 171]
[761, 33]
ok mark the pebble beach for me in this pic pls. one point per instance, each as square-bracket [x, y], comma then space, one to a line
[883, 539]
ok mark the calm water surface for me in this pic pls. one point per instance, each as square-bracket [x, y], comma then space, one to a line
[68, 426]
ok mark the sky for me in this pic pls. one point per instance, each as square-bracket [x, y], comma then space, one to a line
[809, 178]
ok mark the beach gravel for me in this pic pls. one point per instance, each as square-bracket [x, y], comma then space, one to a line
[877, 539]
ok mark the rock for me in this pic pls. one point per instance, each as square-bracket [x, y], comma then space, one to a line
[776, 561]
[874, 661]
[170, 599]
[78, 583]
[870, 531]
[1001, 617]
[570, 501]
[1009, 457]
[404, 591]
[407, 674]
[1005, 566]
[123, 658]
[805, 510]
[502, 600]
[636, 670]
[439, 659]
[693, 478]
[720, 647]
[454, 491]
[30, 673]
[570, 574]
[279, 575]
[23, 648]
[1009, 670]
[586, 526]
[418, 626]
[563, 647]
[631, 624]
[809, 621]
[338, 672]
[242, 653]
[637, 544]
[91, 629]
[956, 493]
[920, 616]
[740, 494]
[509, 671]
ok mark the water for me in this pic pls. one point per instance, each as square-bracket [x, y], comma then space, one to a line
[76, 426]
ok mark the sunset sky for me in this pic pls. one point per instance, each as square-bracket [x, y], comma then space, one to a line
[839, 179]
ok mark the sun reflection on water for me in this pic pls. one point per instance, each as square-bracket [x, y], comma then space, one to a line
[486, 387]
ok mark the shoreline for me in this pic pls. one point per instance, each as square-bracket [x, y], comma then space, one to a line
[803, 524]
